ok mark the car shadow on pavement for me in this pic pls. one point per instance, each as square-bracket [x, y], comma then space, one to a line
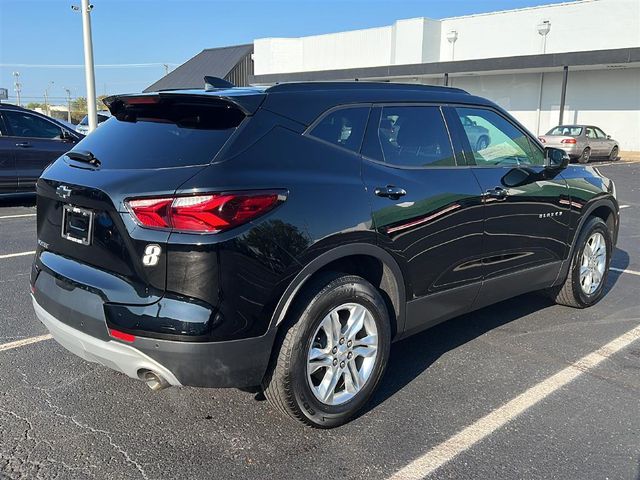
[410, 357]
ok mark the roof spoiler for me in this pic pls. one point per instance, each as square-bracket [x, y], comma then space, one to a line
[248, 104]
[213, 83]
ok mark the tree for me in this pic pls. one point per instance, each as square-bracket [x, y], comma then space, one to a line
[34, 105]
[78, 109]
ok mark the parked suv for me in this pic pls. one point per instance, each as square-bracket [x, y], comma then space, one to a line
[29, 142]
[282, 238]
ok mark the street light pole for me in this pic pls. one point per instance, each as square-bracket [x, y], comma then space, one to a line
[46, 99]
[89, 74]
[68, 104]
[17, 86]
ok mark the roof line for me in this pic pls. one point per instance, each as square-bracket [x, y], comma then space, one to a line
[618, 56]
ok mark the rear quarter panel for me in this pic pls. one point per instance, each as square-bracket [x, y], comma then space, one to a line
[326, 206]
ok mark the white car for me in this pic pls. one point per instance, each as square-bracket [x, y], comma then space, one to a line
[83, 126]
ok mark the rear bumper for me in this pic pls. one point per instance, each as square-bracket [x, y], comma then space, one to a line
[572, 150]
[115, 355]
[237, 363]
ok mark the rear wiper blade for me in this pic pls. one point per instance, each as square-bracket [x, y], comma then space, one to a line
[83, 156]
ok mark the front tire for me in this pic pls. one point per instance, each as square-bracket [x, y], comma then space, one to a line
[587, 276]
[333, 354]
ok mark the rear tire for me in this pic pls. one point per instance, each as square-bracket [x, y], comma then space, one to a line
[585, 156]
[578, 289]
[613, 156]
[305, 355]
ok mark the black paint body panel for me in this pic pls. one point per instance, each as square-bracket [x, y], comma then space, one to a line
[210, 309]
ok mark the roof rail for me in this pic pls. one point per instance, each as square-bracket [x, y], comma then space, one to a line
[211, 83]
[357, 85]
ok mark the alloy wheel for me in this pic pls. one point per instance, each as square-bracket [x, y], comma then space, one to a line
[343, 354]
[593, 263]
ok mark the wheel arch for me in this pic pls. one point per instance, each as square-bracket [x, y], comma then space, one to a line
[604, 208]
[369, 261]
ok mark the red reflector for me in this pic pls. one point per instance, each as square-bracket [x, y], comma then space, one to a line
[145, 100]
[204, 213]
[568, 140]
[125, 337]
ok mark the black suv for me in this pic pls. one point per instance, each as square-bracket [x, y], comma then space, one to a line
[282, 238]
[28, 143]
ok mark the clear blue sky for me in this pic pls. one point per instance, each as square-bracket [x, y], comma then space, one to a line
[171, 31]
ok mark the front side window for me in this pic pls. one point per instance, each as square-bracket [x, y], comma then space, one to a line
[495, 141]
[414, 136]
[27, 125]
[600, 133]
[343, 127]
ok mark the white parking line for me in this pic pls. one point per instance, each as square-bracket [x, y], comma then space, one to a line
[18, 216]
[624, 206]
[621, 270]
[21, 254]
[24, 342]
[471, 435]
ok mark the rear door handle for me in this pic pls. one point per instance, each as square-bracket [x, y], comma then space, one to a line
[497, 192]
[23, 145]
[390, 191]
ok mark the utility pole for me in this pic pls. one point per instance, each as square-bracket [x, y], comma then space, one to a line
[68, 104]
[90, 78]
[17, 86]
[166, 69]
[46, 99]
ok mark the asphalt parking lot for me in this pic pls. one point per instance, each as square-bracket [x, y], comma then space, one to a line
[512, 391]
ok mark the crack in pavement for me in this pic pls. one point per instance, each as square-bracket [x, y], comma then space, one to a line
[55, 410]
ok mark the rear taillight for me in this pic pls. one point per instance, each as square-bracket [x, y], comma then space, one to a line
[209, 213]
[568, 140]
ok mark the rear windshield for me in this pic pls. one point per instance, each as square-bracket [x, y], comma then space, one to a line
[157, 136]
[566, 131]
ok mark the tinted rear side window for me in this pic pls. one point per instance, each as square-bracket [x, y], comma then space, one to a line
[160, 136]
[411, 136]
[344, 127]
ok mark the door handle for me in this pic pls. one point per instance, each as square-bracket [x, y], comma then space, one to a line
[497, 192]
[23, 145]
[394, 193]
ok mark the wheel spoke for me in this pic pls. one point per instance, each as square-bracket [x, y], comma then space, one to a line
[355, 322]
[318, 359]
[327, 387]
[596, 278]
[365, 351]
[583, 271]
[336, 327]
[369, 340]
[352, 378]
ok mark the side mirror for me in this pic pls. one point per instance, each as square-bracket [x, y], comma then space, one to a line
[608, 137]
[556, 159]
[66, 135]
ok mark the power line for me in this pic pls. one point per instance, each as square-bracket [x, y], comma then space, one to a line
[105, 65]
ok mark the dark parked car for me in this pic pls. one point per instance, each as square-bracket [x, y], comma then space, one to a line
[282, 238]
[28, 143]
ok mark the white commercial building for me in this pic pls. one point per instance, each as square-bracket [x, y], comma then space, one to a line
[517, 58]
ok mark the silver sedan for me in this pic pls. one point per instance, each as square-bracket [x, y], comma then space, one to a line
[582, 142]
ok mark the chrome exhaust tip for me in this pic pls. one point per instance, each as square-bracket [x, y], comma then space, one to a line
[153, 380]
